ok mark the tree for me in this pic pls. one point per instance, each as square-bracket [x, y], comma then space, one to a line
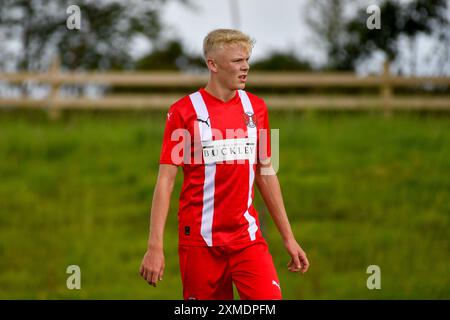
[398, 19]
[348, 41]
[171, 56]
[39, 28]
[279, 61]
[327, 22]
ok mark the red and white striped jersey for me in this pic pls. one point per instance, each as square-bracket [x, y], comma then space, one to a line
[218, 144]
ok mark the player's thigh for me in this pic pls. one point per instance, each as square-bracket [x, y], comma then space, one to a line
[254, 274]
[204, 274]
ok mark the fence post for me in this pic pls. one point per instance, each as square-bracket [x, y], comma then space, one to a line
[53, 111]
[386, 89]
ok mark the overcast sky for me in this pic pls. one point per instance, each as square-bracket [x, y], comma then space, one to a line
[276, 25]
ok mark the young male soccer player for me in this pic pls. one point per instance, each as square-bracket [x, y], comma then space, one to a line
[219, 135]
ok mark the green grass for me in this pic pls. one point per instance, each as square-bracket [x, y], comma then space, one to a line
[360, 189]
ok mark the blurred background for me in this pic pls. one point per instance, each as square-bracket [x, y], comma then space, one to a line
[364, 144]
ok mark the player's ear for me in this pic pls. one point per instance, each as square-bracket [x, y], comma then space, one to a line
[211, 64]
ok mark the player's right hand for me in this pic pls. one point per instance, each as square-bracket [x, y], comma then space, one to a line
[152, 266]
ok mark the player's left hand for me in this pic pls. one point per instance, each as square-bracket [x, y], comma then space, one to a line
[299, 261]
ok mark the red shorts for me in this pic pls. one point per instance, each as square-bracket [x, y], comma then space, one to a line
[208, 273]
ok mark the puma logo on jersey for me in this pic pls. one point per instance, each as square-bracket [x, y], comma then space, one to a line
[204, 121]
[276, 284]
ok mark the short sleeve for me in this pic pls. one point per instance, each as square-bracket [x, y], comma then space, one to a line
[264, 147]
[172, 144]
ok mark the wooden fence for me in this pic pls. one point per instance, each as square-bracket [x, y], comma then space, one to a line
[384, 100]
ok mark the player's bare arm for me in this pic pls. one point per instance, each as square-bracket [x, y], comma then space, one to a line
[269, 187]
[152, 266]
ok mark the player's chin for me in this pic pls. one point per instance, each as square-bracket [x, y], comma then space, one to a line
[240, 86]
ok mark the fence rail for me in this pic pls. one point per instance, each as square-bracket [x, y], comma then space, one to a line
[385, 83]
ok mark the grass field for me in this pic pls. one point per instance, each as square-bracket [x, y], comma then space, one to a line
[360, 189]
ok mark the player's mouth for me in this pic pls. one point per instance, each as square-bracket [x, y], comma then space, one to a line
[243, 77]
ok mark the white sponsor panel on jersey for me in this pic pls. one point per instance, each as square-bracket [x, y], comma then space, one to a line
[229, 149]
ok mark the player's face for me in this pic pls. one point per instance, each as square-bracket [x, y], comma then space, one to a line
[232, 66]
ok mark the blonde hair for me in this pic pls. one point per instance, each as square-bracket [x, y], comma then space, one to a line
[220, 37]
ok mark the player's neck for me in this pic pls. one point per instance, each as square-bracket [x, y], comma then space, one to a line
[219, 92]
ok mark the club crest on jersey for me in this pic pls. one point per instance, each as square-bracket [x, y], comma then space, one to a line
[250, 119]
